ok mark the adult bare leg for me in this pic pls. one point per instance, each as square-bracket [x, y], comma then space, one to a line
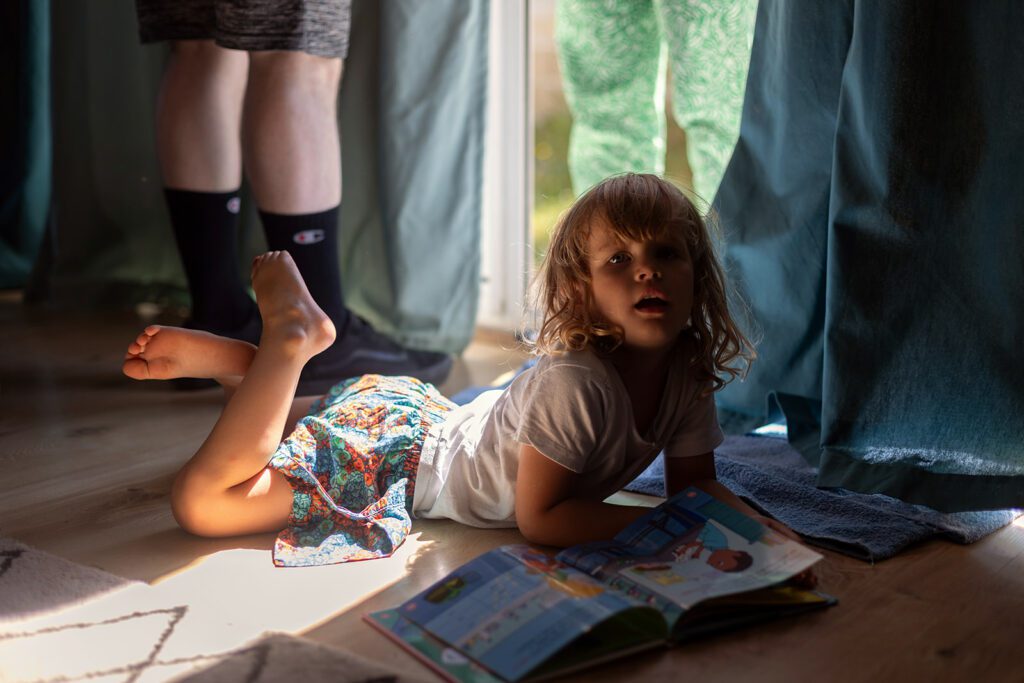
[199, 117]
[290, 132]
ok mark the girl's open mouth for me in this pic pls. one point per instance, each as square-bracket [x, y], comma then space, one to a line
[651, 304]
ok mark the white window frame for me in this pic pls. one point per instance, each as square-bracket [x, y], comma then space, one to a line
[506, 238]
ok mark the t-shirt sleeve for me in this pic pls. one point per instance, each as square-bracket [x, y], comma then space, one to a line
[562, 414]
[697, 430]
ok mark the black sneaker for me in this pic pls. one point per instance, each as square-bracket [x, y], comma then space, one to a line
[248, 332]
[361, 350]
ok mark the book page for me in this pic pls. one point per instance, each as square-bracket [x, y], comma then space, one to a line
[446, 661]
[513, 608]
[691, 548]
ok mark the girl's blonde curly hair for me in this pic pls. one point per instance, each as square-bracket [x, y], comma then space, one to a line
[638, 207]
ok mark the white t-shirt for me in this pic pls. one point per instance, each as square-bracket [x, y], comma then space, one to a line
[575, 410]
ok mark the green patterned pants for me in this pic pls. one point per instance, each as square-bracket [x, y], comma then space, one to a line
[613, 55]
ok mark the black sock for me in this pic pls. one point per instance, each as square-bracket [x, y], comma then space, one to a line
[206, 231]
[312, 240]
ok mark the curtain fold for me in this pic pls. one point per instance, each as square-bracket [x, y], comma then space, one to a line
[25, 143]
[875, 218]
[111, 243]
[411, 112]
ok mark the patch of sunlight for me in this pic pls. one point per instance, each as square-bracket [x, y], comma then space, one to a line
[180, 570]
[193, 616]
[775, 429]
[547, 211]
[637, 499]
[244, 587]
[1019, 522]
[148, 311]
[77, 642]
[503, 377]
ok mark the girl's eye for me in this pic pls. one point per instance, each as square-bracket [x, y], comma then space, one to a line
[620, 257]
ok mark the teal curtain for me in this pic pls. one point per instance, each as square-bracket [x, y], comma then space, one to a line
[111, 243]
[412, 107]
[25, 160]
[413, 102]
[875, 218]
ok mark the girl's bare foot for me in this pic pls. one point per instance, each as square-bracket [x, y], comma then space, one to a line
[292, 321]
[171, 352]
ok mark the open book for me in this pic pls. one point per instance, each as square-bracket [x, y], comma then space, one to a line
[692, 566]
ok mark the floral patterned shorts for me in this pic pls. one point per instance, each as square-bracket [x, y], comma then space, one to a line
[352, 465]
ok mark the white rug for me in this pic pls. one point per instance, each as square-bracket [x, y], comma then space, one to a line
[61, 621]
[33, 582]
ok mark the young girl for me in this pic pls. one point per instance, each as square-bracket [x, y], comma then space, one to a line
[635, 339]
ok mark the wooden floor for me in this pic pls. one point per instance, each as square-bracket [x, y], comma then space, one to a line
[87, 457]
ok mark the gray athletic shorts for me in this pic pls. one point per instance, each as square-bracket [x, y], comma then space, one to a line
[316, 27]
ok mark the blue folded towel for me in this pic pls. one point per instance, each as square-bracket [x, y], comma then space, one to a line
[773, 477]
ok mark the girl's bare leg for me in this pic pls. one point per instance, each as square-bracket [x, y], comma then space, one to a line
[161, 352]
[226, 488]
[170, 352]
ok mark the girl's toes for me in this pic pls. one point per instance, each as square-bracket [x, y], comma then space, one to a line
[135, 368]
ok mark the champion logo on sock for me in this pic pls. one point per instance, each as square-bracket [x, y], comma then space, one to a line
[308, 237]
[234, 205]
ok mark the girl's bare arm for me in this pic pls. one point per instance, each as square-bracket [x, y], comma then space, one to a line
[547, 512]
[699, 471]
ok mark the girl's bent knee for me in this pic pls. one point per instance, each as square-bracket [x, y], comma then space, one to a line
[191, 506]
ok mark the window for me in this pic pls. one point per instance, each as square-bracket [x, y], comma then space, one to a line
[505, 238]
[526, 176]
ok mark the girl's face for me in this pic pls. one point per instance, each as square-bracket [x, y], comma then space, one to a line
[644, 287]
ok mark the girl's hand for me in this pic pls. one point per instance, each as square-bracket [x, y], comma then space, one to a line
[805, 579]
